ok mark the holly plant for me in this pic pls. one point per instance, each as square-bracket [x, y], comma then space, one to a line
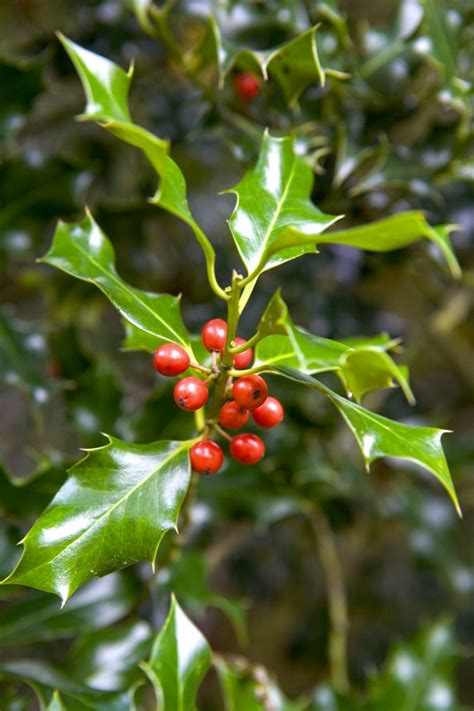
[120, 500]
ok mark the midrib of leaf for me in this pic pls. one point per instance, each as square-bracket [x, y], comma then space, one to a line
[118, 281]
[109, 511]
[277, 212]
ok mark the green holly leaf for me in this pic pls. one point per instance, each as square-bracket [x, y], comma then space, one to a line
[378, 436]
[113, 510]
[108, 660]
[56, 703]
[274, 318]
[179, 661]
[106, 86]
[274, 219]
[83, 250]
[362, 366]
[293, 65]
[366, 369]
[419, 674]
[394, 233]
[37, 616]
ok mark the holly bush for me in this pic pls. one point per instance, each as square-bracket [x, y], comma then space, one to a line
[197, 566]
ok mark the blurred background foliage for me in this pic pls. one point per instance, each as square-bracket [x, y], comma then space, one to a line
[390, 130]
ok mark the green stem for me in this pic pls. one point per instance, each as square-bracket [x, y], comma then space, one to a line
[227, 358]
[248, 344]
[337, 604]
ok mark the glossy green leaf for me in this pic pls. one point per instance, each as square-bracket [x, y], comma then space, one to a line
[362, 366]
[394, 233]
[274, 219]
[113, 510]
[83, 250]
[379, 436]
[98, 604]
[179, 661]
[419, 675]
[366, 369]
[108, 660]
[106, 87]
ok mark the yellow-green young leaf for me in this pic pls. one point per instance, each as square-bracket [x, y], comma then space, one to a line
[83, 250]
[274, 219]
[379, 436]
[113, 510]
[179, 661]
[366, 369]
[362, 366]
[56, 703]
[394, 233]
[106, 86]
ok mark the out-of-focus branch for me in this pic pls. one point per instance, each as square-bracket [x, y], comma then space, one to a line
[336, 596]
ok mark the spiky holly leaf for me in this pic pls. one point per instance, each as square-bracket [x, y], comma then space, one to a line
[106, 86]
[113, 510]
[84, 251]
[362, 366]
[274, 219]
[179, 661]
[294, 65]
[378, 436]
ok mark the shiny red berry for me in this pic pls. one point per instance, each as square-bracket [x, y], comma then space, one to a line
[206, 457]
[171, 359]
[232, 416]
[247, 448]
[270, 414]
[250, 391]
[214, 334]
[190, 394]
[247, 85]
[242, 360]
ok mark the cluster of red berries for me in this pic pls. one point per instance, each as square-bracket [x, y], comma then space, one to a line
[249, 395]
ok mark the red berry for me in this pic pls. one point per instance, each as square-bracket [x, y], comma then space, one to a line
[270, 414]
[247, 85]
[190, 394]
[247, 448]
[242, 360]
[250, 391]
[232, 416]
[171, 359]
[214, 334]
[206, 457]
